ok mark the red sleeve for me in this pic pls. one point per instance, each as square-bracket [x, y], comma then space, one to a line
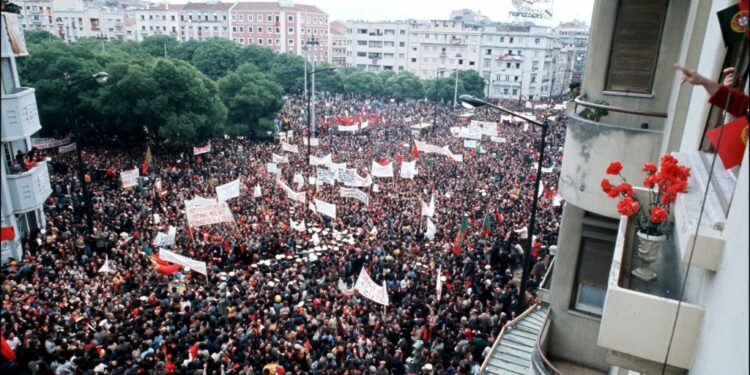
[738, 105]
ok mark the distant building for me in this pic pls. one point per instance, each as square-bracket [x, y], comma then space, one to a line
[377, 46]
[436, 48]
[337, 50]
[469, 17]
[574, 39]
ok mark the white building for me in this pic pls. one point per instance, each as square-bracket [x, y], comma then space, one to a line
[158, 19]
[23, 193]
[574, 38]
[519, 62]
[377, 46]
[337, 49]
[441, 47]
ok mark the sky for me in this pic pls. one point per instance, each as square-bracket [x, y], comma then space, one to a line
[392, 10]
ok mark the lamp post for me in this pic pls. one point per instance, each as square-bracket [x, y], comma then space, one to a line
[310, 108]
[455, 90]
[437, 80]
[100, 78]
[474, 102]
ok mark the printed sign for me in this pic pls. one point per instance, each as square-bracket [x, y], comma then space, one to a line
[129, 178]
[208, 214]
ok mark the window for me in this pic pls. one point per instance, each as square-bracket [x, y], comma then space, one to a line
[487, 63]
[290, 30]
[536, 41]
[598, 235]
[402, 32]
[249, 29]
[242, 18]
[268, 29]
[635, 45]
[242, 41]
[361, 42]
[242, 29]
[278, 42]
[413, 59]
[260, 41]
[511, 40]
[488, 52]
[250, 18]
[518, 65]
[290, 42]
[269, 18]
[401, 44]
[291, 18]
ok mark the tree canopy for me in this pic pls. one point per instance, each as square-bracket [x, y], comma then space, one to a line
[245, 88]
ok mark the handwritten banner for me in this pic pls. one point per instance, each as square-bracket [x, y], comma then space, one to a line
[208, 214]
[129, 178]
[228, 191]
[202, 149]
[44, 143]
[67, 148]
[370, 290]
[289, 147]
[354, 193]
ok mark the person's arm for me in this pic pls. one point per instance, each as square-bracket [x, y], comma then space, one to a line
[694, 78]
[719, 93]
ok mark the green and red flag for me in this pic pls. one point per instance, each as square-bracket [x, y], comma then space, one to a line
[8, 233]
[146, 160]
[733, 142]
[413, 148]
[734, 23]
[461, 235]
[487, 227]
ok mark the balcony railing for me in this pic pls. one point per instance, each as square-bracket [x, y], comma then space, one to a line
[499, 338]
[638, 317]
[29, 189]
[20, 118]
[540, 364]
[581, 100]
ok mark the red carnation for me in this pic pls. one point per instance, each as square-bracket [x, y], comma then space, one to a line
[658, 215]
[614, 168]
[650, 168]
[625, 188]
[668, 159]
[627, 206]
[606, 185]
[677, 187]
[650, 181]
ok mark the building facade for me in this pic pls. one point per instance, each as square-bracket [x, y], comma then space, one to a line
[23, 192]
[158, 19]
[519, 62]
[573, 37]
[692, 317]
[437, 48]
[337, 48]
[377, 46]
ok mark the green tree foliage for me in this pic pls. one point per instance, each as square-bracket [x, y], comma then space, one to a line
[471, 83]
[363, 83]
[185, 50]
[250, 96]
[329, 80]
[289, 72]
[216, 57]
[262, 57]
[405, 85]
[157, 45]
[38, 36]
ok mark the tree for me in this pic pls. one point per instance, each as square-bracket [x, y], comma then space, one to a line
[471, 83]
[329, 80]
[159, 45]
[185, 50]
[38, 36]
[216, 57]
[404, 85]
[262, 57]
[444, 91]
[289, 72]
[249, 96]
[362, 82]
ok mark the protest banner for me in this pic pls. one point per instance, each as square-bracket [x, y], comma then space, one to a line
[382, 171]
[370, 290]
[430, 233]
[279, 159]
[325, 208]
[325, 176]
[273, 168]
[165, 239]
[354, 193]
[428, 210]
[44, 143]
[184, 261]
[67, 148]
[498, 139]
[228, 191]
[129, 178]
[208, 214]
[320, 161]
[408, 169]
[289, 147]
[202, 149]
[199, 201]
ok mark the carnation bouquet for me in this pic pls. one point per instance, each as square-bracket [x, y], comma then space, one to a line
[664, 184]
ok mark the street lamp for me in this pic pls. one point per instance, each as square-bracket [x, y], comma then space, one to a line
[311, 106]
[437, 81]
[100, 78]
[474, 102]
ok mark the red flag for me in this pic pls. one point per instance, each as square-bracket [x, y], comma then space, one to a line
[413, 148]
[383, 161]
[733, 143]
[8, 233]
[5, 350]
[399, 158]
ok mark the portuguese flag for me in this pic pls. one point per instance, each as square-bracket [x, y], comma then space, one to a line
[734, 23]
[413, 148]
[487, 227]
[461, 235]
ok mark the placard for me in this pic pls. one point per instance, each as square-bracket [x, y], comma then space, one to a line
[208, 214]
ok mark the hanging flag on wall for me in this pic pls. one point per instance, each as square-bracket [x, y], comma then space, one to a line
[733, 142]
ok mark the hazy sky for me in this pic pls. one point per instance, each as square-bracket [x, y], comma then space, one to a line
[391, 10]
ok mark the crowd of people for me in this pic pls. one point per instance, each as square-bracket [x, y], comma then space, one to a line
[272, 302]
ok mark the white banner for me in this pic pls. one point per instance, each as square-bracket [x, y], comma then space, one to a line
[273, 168]
[498, 139]
[430, 233]
[370, 290]
[557, 200]
[228, 191]
[165, 239]
[289, 147]
[279, 159]
[439, 283]
[129, 178]
[447, 152]
[325, 160]
[382, 171]
[202, 149]
[325, 208]
[347, 176]
[428, 210]
[470, 133]
[256, 192]
[334, 166]
[208, 214]
[470, 143]
[408, 169]
[354, 193]
[199, 201]
[105, 268]
[184, 261]
[298, 227]
[525, 126]
[313, 142]
[549, 169]
[350, 128]
[299, 180]
[67, 148]
[297, 196]
[44, 143]
[325, 176]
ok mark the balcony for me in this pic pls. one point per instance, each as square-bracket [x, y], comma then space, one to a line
[29, 189]
[638, 317]
[19, 115]
[589, 148]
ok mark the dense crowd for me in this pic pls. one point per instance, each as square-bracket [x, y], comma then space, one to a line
[271, 303]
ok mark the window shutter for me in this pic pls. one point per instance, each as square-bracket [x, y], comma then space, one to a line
[635, 45]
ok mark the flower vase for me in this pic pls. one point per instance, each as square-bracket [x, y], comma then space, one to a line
[648, 252]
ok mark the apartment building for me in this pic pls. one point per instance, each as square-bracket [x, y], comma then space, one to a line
[337, 47]
[22, 193]
[437, 48]
[283, 26]
[573, 37]
[158, 19]
[37, 15]
[377, 46]
[204, 20]
[520, 61]
[597, 315]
